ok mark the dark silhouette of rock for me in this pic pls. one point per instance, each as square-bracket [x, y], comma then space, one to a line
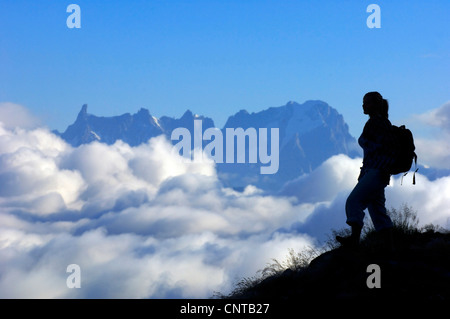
[418, 269]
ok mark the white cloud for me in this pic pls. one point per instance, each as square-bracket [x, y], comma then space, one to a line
[429, 198]
[338, 173]
[30, 176]
[439, 117]
[15, 115]
[142, 222]
[434, 150]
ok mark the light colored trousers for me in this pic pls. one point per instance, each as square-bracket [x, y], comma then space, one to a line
[369, 193]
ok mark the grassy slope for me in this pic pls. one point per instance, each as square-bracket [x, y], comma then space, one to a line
[417, 268]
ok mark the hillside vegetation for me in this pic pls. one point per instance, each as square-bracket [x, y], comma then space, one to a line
[417, 267]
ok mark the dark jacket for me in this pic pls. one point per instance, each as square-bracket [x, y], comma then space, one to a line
[377, 141]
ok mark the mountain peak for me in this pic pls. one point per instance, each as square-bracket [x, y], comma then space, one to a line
[83, 112]
[309, 133]
[143, 112]
[242, 112]
[188, 114]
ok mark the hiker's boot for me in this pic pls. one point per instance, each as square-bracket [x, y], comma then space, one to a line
[351, 241]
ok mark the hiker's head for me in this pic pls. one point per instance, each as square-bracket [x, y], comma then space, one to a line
[375, 105]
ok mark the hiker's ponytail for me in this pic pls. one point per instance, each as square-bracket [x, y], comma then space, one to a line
[385, 108]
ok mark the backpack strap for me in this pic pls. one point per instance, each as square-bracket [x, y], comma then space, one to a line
[415, 166]
[414, 173]
[401, 181]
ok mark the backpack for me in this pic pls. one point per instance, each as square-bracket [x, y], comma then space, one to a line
[403, 152]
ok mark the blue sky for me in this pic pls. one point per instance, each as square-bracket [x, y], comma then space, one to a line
[136, 218]
[217, 57]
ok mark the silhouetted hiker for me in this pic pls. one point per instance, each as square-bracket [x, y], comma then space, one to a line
[369, 191]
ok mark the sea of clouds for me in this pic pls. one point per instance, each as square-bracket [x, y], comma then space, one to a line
[142, 222]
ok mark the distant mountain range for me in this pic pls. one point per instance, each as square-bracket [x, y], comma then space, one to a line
[309, 133]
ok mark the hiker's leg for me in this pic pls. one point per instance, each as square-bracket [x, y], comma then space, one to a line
[378, 212]
[354, 209]
[357, 202]
[351, 241]
[377, 205]
[382, 223]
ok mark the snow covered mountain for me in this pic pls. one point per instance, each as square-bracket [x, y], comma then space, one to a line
[309, 133]
[133, 129]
